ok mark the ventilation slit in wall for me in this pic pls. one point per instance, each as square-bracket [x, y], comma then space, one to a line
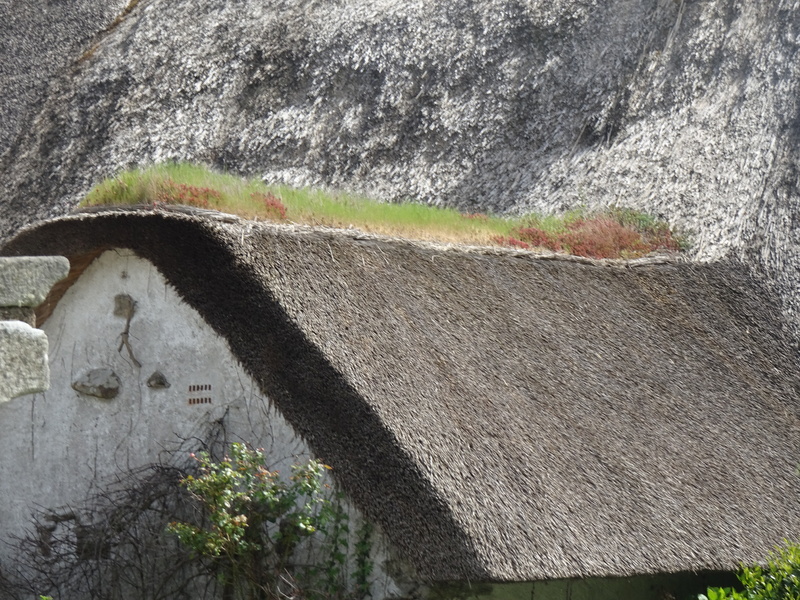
[195, 398]
[194, 401]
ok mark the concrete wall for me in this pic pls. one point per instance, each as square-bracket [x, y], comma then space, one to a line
[65, 444]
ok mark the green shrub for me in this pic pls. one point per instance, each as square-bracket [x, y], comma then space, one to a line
[251, 521]
[778, 580]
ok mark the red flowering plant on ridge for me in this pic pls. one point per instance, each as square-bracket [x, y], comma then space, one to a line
[602, 237]
[619, 233]
[170, 192]
[272, 205]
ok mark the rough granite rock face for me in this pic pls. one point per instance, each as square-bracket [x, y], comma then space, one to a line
[39, 39]
[685, 109]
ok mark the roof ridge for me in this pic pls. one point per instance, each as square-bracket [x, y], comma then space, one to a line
[360, 235]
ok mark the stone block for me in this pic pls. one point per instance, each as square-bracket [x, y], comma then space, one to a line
[26, 280]
[23, 360]
[158, 381]
[100, 383]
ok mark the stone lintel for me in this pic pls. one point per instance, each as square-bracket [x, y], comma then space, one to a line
[26, 280]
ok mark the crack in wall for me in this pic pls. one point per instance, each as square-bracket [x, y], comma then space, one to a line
[125, 306]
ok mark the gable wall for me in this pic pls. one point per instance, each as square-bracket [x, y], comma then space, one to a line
[69, 444]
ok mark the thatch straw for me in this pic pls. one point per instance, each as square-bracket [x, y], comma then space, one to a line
[502, 417]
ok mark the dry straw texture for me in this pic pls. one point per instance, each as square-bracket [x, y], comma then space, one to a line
[501, 416]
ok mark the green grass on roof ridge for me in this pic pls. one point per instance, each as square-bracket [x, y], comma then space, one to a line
[612, 233]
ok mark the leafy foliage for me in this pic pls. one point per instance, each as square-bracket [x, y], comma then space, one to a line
[779, 580]
[252, 521]
[250, 508]
[232, 529]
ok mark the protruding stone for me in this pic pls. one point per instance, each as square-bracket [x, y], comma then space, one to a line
[26, 280]
[100, 383]
[23, 360]
[157, 381]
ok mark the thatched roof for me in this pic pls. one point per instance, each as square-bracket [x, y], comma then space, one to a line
[503, 417]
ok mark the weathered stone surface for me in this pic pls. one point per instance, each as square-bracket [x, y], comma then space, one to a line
[100, 383]
[38, 40]
[26, 280]
[157, 381]
[23, 360]
[688, 110]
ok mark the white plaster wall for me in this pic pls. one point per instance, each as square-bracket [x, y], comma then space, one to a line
[61, 445]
